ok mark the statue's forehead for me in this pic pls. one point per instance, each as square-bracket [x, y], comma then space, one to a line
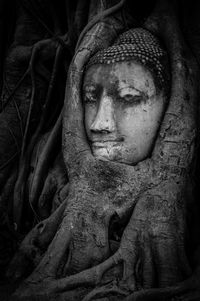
[119, 76]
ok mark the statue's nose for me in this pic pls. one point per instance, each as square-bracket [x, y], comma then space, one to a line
[105, 118]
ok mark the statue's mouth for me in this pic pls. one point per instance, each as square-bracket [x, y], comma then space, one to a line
[106, 142]
[103, 144]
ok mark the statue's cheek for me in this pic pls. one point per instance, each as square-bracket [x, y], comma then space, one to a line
[138, 125]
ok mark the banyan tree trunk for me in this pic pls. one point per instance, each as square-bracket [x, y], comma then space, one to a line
[72, 254]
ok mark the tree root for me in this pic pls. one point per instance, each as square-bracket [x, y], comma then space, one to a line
[158, 294]
[55, 189]
[34, 245]
[42, 286]
[18, 84]
[43, 162]
[80, 16]
[15, 103]
[25, 157]
[93, 277]
[104, 291]
[20, 185]
[99, 17]
[33, 82]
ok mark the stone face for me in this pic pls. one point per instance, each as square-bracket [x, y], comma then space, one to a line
[123, 111]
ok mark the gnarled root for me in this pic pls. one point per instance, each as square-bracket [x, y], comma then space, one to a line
[94, 277]
[105, 291]
[187, 290]
[49, 286]
[34, 245]
[44, 159]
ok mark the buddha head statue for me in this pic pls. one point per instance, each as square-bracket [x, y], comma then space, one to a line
[125, 92]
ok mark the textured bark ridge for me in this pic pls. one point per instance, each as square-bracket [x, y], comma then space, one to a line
[119, 231]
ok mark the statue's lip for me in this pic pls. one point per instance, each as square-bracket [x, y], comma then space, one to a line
[93, 141]
[102, 143]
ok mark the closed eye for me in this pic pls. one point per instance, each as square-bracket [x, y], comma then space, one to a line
[133, 99]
